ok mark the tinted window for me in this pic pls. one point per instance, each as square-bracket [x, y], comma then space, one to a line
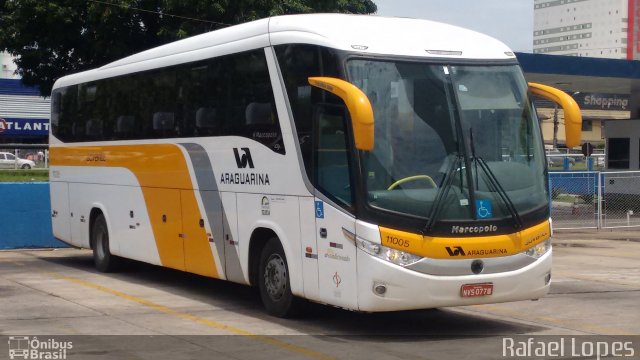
[618, 153]
[332, 170]
[229, 95]
[298, 62]
[320, 119]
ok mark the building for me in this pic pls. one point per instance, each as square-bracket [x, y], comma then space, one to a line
[593, 28]
[596, 108]
[7, 67]
[608, 29]
[24, 114]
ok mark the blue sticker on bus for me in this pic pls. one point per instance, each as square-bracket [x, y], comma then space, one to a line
[319, 209]
[484, 209]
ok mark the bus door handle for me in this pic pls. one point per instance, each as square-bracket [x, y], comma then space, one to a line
[323, 233]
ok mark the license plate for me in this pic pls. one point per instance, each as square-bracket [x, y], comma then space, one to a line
[473, 290]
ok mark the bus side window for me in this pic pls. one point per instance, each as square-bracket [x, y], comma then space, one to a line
[125, 127]
[206, 123]
[331, 165]
[252, 107]
[297, 63]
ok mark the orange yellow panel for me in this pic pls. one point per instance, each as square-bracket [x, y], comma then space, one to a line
[159, 168]
[465, 247]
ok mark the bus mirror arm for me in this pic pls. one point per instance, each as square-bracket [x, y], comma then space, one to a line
[572, 115]
[358, 105]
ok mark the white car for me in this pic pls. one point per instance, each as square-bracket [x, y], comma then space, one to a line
[10, 161]
[556, 157]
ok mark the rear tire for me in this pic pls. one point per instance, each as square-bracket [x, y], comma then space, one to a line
[273, 281]
[102, 257]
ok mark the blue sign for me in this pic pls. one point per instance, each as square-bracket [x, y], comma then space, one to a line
[484, 209]
[319, 209]
[11, 127]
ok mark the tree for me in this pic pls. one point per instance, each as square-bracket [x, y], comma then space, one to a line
[53, 38]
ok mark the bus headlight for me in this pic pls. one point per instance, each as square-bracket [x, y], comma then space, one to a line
[385, 253]
[538, 250]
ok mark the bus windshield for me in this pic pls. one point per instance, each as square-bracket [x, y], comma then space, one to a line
[451, 142]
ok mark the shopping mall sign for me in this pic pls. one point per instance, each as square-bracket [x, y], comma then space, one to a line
[23, 127]
[595, 101]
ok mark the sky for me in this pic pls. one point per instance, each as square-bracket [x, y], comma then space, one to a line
[510, 21]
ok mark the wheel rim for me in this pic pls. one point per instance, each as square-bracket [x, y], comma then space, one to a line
[275, 277]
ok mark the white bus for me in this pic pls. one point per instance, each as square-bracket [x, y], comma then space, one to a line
[369, 163]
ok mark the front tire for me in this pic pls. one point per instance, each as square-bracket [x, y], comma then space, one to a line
[273, 281]
[26, 167]
[102, 257]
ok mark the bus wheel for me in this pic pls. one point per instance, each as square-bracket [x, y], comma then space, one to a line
[102, 258]
[273, 281]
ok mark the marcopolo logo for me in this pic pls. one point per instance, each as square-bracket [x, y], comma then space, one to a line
[25, 347]
[245, 159]
[473, 229]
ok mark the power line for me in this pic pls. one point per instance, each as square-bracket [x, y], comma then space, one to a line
[157, 12]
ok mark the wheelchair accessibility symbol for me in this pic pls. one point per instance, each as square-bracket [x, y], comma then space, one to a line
[319, 209]
[484, 209]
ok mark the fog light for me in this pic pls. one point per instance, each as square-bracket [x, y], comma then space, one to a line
[477, 266]
[380, 289]
[547, 279]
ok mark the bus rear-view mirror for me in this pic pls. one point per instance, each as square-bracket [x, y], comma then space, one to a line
[358, 105]
[572, 115]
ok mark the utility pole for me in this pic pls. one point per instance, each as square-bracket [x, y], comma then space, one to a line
[555, 126]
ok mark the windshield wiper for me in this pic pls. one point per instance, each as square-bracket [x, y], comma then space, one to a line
[493, 181]
[443, 192]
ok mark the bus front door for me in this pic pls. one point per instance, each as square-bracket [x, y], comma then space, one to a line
[336, 256]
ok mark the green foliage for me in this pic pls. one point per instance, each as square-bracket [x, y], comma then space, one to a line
[58, 37]
[24, 175]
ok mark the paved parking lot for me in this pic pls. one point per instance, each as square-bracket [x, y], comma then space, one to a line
[57, 293]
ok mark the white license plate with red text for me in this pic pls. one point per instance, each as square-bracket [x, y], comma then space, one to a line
[473, 290]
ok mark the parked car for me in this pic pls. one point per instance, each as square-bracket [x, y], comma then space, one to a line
[556, 157]
[10, 161]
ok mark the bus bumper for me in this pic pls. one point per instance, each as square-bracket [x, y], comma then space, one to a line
[409, 290]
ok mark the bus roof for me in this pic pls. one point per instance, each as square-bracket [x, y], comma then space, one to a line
[366, 34]
[386, 35]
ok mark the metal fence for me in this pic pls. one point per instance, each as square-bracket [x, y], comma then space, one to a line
[579, 199]
[594, 199]
[620, 199]
[574, 199]
[575, 162]
[26, 157]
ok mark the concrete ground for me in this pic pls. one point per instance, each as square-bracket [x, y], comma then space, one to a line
[57, 295]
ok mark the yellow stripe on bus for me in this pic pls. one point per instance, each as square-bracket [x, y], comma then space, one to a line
[465, 247]
[163, 175]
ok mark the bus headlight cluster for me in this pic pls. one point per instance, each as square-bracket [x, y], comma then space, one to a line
[538, 250]
[385, 253]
